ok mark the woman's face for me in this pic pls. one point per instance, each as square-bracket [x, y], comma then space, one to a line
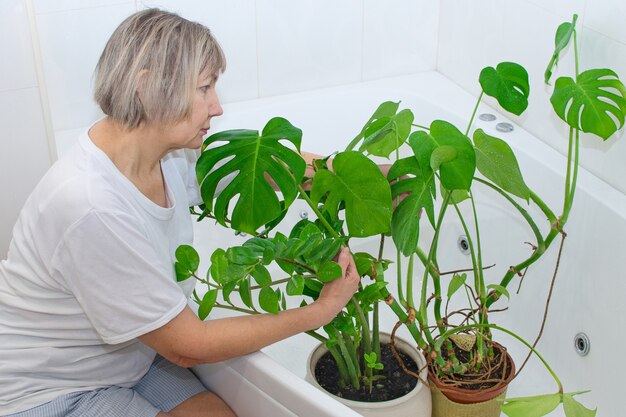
[190, 132]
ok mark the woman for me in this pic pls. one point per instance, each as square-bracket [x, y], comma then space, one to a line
[92, 321]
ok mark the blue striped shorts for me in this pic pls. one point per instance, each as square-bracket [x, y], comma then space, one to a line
[164, 386]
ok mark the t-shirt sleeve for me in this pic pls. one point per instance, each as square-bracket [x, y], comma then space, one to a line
[122, 285]
[185, 162]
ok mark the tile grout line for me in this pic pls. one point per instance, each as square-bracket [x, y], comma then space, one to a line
[41, 80]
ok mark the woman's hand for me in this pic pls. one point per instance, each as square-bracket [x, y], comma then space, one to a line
[336, 294]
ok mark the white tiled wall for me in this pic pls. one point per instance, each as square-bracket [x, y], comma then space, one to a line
[478, 33]
[272, 47]
[24, 156]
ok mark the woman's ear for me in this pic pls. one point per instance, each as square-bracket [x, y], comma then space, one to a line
[140, 82]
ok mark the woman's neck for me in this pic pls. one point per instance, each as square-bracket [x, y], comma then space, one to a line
[136, 154]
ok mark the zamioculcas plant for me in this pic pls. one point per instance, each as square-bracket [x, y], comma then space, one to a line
[444, 168]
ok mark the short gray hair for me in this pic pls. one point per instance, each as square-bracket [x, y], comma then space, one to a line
[166, 54]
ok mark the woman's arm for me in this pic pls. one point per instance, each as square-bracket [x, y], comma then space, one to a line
[187, 341]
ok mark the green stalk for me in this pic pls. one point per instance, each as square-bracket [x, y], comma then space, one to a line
[469, 125]
[436, 281]
[376, 332]
[543, 207]
[403, 317]
[570, 150]
[479, 283]
[519, 208]
[409, 283]
[347, 357]
[399, 276]
[365, 330]
[344, 374]
[319, 215]
[569, 202]
[356, 140]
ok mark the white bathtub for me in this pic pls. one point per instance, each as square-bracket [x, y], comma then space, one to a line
[591, 283]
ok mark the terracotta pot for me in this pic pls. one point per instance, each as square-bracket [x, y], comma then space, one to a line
[459, 402]
[417, 403]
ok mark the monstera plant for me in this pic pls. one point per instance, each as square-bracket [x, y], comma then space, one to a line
[441, 168]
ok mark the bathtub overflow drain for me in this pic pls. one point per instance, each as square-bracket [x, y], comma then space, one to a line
[487, 117]
[504, 127]
[304, 214]
[463, 245]
[582, 344]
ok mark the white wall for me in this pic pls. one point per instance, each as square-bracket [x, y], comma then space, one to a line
[272, 47]
[24, 154]
[478, 33]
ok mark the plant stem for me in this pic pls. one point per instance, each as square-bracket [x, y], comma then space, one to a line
[436, 281]
[350, 365]
[409, 282]
[469, 125]
[420, 126]
[319, 215]
[365, 330]
[376, 332]
[519, 208]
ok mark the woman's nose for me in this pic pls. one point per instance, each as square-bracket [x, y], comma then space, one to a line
[215, 108]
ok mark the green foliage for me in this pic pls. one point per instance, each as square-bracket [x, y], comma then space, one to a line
[496, 161]
[573, 408]
[355, 200]
[208, 301]
[561, 40]
[408, 177]
[456, 282]
[447, 150]
[593, 103]
[508, 83]
[536, 406]
[250, 157]
[187, 262]
[367, 196]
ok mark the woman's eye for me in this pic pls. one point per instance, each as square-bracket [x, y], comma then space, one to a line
[204, 88]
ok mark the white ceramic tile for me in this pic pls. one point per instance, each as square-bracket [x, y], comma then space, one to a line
[17, 65]
[399, 37]
[24, 157]
[306, 45]
[234, 26]
[71, 43]
[563, 8]
[607, 17]
[51, 6]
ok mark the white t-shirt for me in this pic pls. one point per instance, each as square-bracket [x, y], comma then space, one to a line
[90, 268]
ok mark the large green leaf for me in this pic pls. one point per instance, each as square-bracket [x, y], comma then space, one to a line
[496, 161]
[595, 103]
[454, 154]
[384, 111]
[408, 177]
[387, 134]
[561, 40]
[359, 184]
[573, 408]
[536, 406]
[508, 83]
[249, 157]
